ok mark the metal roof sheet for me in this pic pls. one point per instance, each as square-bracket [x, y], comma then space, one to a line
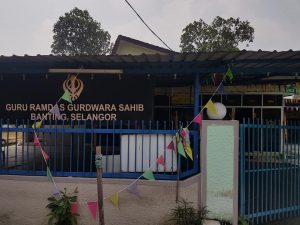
[182, 57]
[241, 62]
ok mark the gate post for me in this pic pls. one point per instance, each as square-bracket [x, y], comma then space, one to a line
[242, 170]
[220, 168]
[98, 162]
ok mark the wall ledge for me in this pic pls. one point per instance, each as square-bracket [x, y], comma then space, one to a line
[182, 183]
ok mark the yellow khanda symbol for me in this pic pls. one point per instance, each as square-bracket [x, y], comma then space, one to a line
[74, 86]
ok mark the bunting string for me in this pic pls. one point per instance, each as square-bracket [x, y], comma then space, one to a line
[132, 183]
[171, 146]
[44, 154]
[37, 124]
[183, 149]
[66, 96]
[214, 93]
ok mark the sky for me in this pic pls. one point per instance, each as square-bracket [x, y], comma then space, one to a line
[26, 26]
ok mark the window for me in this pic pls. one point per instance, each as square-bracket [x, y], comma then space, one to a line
[161, 100]
[252, 100]
[272, 100]
[231, 100]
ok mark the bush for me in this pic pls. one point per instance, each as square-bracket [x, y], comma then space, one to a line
[185, 214]
[243, 221]
[61, 209]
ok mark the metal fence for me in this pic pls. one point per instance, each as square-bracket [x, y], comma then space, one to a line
[269, 171]
[128, 149]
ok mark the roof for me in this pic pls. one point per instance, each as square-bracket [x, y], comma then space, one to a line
[121, 38]
[248, 66]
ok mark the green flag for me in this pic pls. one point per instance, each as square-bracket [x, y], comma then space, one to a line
[67, 96]
[148, 175]
[49, 175]
[180, 149]
[229, 74]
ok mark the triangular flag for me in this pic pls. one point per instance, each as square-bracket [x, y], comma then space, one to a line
[198, 119]
[36, 141]
[67, 96]
[93, 208]
[45, 155]
[229, 74]
[160, 160]
[55, 191]
[183, 132]
[115, 199]
[74, 207]
[177, 137]
[148, 175]
[211, 107]
[133, 189]
[49, 175]
[38, 124]
[189, 151]
[171, 146]
[187, 136]
[180, 149]
[56, 112]
[221, 89]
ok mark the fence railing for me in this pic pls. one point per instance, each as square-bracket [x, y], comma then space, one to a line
[269, 171]
[128, 149]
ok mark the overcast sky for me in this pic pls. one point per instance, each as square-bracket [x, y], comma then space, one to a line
[26, 25]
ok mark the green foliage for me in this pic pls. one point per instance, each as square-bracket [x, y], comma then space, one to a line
[185, 214]
[243, 221]
[220, 35]
[61, 209]
[77, 33]
[224, 222]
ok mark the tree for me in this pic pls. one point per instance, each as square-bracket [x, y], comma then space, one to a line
[221, 35]
[77, 33]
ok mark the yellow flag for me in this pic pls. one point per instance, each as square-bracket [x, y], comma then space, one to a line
[38, 124]
[177, 137]
[211, 107]
[189, 151]
[115, 199]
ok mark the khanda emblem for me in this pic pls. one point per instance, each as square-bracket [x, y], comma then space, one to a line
[74, 86]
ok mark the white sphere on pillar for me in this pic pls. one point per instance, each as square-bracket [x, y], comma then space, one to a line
[221, 112]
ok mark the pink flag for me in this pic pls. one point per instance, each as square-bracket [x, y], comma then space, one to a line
[183, 133]
[171, 146]
[198, 119]
[74, 207]
[36, 141]
[45, 155]
[160, 161]
[93, 208]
